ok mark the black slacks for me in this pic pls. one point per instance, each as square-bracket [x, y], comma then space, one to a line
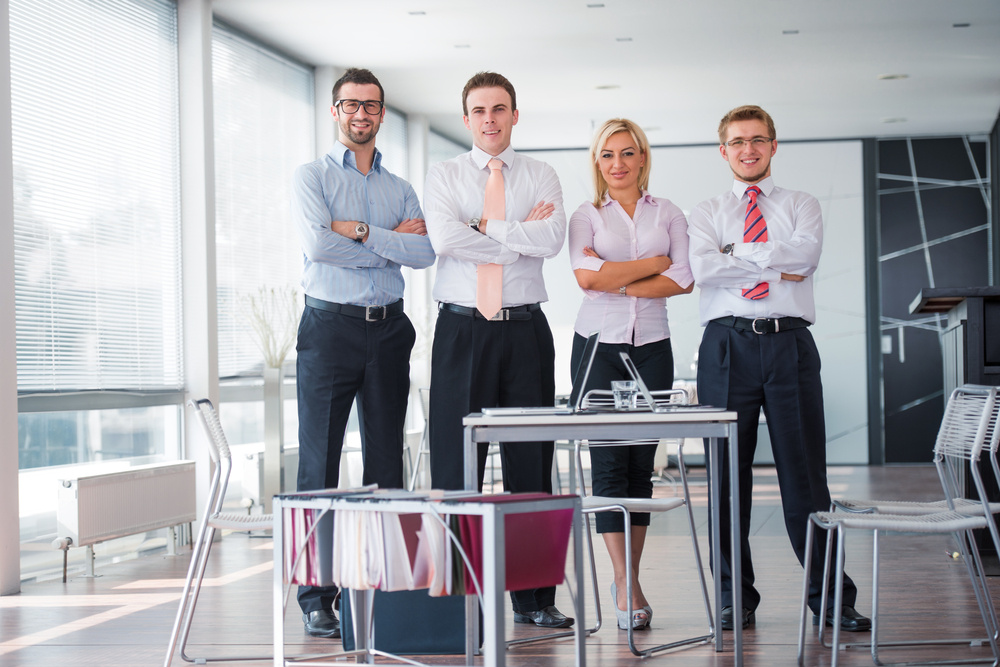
[476, 363]
[743, 372]
[342, 359]
[624, 471]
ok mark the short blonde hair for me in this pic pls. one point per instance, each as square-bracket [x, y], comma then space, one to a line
[746, 112]
[610, 127]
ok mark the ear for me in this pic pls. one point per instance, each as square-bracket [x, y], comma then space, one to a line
[515, 117]
[774, 147]
[333, 111]
[642, 162]
[465, 119]
[722, 152]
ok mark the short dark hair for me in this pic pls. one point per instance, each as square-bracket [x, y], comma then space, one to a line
[746, 112]
[360, 76]
[488, 80]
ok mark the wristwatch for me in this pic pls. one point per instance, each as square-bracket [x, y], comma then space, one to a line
[474, 223]
[360, 231]
[728, 249]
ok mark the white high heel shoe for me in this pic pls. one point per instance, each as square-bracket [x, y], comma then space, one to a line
[640, 617]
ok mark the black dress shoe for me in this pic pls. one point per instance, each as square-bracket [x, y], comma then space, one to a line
[850, 620]
[550, 617]
[322, 623]
[749, 618]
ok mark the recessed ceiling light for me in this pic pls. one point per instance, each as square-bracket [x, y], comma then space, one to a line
[651, 128]
[623, 39]
[789, 32]
[895, 119]
[892, 77]
[463, 46]
[594, 5]
[610, 86]
[960, 25]
[418, 13]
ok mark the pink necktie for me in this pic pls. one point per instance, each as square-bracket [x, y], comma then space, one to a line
[489, 277]
[754, 230]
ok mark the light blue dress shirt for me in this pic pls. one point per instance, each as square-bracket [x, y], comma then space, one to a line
[340, 269]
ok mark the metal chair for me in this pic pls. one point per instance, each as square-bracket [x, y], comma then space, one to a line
[212, 520]
[969, 423]
[594, 504]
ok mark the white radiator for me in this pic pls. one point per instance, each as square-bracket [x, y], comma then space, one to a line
[95, 508]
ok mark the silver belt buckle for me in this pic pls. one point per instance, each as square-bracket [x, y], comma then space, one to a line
[753, 325]
[501, 315]
[374, 309]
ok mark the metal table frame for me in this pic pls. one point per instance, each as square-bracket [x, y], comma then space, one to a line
[494, 569]
[714, 426]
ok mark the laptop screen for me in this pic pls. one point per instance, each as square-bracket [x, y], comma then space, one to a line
[583, 371]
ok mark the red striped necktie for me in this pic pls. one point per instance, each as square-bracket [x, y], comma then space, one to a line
[754, 231]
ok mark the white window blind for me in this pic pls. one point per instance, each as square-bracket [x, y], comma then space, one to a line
[263, 130]
[96, 181]
[440, 148]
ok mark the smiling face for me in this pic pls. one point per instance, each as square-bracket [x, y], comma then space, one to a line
[491, 119]
[358, 128]
[620, 162]
[749, 163]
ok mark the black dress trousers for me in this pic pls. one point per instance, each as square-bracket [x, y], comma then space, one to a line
[476, 363]
[342, 359]
[779, 372]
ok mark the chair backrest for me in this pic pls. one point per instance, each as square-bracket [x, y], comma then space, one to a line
[218, 448]
[969, 424]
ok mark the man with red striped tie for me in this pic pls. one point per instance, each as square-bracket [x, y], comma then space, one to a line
[753, 251]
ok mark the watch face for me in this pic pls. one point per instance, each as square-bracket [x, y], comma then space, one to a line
[360, 230]
[728, 249]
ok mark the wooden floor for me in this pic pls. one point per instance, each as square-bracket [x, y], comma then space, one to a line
[122, 618]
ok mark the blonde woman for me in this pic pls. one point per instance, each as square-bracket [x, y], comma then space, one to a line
[629, 253]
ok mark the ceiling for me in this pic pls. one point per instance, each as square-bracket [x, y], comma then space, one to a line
[673, 66]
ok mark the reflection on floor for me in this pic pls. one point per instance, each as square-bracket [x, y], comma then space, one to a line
[122, 618]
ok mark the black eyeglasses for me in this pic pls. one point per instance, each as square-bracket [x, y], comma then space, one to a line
[756, 142]
[372, 107]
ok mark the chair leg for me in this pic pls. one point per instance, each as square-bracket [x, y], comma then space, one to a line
[694, 541]
[804, 607]
[189, 594]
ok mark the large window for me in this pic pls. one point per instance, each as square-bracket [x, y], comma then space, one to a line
[96, 221]
[263, 130]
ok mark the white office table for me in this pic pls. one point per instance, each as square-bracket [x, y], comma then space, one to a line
[715, 426]
[494, 567]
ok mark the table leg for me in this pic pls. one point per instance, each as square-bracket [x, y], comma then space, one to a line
[278, 586]
[736, 554]
[494, 570]
[714, 454]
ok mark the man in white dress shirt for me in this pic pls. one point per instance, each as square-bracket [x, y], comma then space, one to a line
[753, 252]
[506, 359]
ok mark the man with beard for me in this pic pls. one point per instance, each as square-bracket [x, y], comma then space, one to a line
[753, 251]
[357, 224]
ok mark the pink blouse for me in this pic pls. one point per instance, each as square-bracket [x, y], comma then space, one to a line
[659, 228]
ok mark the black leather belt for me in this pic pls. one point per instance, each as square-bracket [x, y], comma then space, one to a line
[762, 325]
[367, 313]
[511, 313]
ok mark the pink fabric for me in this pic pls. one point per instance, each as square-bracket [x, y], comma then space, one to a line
[489, 277]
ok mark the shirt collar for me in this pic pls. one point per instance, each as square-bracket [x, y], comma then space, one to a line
[344, 157]
[644, 197]
[481, 158]
[766, 187]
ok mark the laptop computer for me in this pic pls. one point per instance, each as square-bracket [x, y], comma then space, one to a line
[653, 406]
[575, 397]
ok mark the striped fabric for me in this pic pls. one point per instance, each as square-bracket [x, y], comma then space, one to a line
[754, 231]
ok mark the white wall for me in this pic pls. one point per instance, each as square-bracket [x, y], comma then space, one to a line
[832, 172]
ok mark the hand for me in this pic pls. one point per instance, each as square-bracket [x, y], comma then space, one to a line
[541, 211]
[793, 277]
[412, 226]
[590, 252]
